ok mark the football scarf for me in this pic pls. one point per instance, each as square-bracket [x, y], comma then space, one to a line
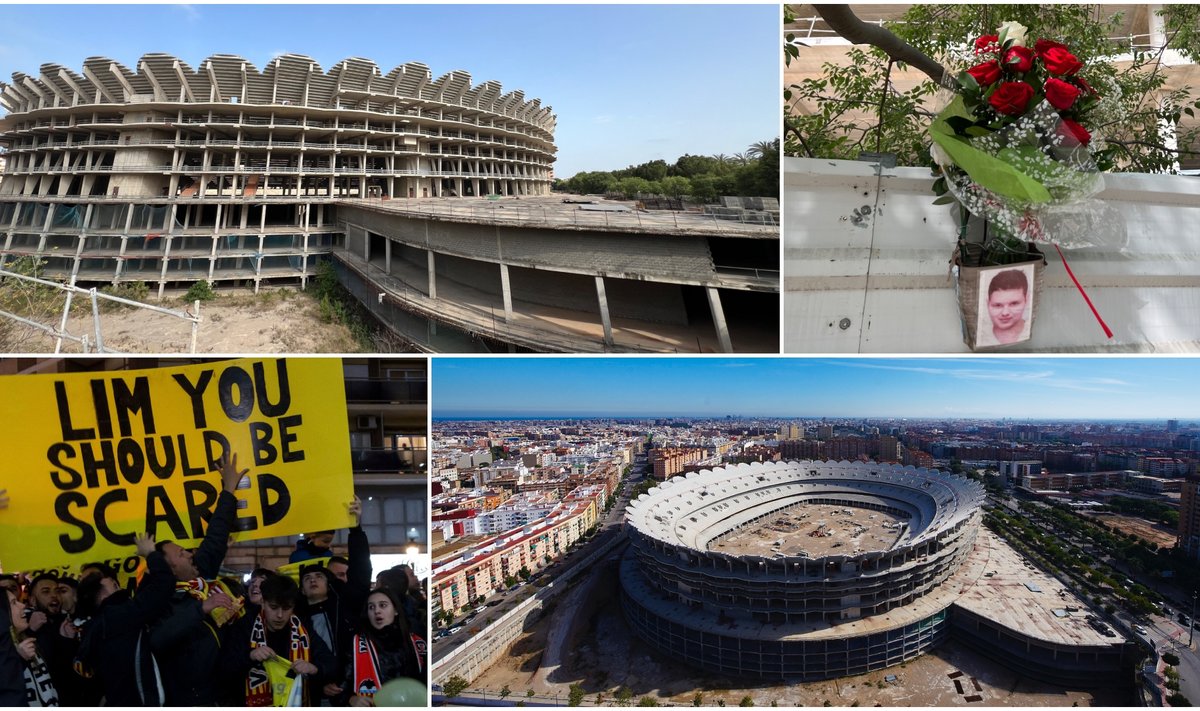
[367, 678]
[39, 688]
[200, 589]
[261, 689]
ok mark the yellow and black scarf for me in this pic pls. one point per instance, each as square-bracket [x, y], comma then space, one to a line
[258, 683]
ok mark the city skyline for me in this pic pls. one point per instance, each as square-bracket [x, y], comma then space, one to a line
[621, 79]
[1097, 389]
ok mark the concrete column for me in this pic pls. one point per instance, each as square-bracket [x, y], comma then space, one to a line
[718, 316]
[432, 275]
[387, 256]
[604, 319]
[506, 290]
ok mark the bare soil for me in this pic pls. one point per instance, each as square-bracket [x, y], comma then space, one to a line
[276, 320]
[602, 656]
[1149, 531]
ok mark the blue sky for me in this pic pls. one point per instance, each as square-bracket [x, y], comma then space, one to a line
[629, 83]
[1021, 388]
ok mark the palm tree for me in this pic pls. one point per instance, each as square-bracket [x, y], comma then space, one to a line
[760, 148]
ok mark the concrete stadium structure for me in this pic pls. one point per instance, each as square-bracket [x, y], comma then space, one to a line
[810, 616]
[170, 175]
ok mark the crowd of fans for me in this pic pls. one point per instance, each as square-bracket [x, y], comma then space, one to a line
[318, 633]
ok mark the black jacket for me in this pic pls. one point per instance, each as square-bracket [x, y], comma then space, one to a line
[235, 658]
[12, 674]
[115, 646]
[186, 645]
[399, 654]
[346, 600]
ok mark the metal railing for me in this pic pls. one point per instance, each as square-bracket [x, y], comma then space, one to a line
[60, 333]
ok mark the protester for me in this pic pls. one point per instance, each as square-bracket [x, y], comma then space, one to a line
[339, 567]
[186, 641]
[36, 683]
[384, 649]
[277, 635]
[252, 588]
[114, 646]
[332, 604]
[313, 545]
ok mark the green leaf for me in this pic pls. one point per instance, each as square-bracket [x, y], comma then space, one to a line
[944, 200]
[990, 172]
[967, 82]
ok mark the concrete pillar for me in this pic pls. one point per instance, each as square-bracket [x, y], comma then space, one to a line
[604, 319]
[387, 256]
[718, 316]
[506, 290]
[432, 276]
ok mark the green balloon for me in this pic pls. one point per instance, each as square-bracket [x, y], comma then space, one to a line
[402, 691]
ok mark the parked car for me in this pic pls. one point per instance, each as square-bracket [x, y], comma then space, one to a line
[1139, 629]
[454, 629]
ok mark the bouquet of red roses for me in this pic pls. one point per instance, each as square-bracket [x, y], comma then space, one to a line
[1015, 145]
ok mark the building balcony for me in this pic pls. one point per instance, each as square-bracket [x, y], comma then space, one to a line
[378, 390]
[380, 460]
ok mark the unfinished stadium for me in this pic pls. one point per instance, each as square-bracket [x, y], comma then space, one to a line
[424, 192]
[815, 570]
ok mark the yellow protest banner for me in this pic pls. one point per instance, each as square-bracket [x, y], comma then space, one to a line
[93, 458]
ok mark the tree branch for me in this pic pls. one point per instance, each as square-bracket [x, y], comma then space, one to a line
[844, 22]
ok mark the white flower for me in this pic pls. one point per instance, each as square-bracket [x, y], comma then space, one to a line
[1014, 31]
[940, 156]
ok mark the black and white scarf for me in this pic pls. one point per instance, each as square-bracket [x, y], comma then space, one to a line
[39, 689]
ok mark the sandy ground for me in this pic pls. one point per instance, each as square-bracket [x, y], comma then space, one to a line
[278, 320]
[594, 648]
[1154, 533]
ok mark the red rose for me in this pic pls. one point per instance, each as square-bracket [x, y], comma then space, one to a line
[1057, 58]
[1085, 86]
[1018, 59]
[1072, 130]
[1044, 44]
[1060, 94]
[985, 74]
[1011, 98]
[987, 43]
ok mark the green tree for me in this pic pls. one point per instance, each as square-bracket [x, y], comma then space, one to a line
[624, 695]
[1171, 659]
[746, 701]
[574, 695]
[647, 701]
[853, 107]
[698, 699]
[675, 186]
[505, 692]
[454, 686]
[704, 188]
[632, 186]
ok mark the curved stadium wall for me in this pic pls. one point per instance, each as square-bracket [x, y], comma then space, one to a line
[795, 617]
[240, 168]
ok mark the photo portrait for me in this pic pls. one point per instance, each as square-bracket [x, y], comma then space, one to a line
[1005, 306]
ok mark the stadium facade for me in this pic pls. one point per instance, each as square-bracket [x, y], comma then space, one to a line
[224, 172]
[170, 175]
[810, 615]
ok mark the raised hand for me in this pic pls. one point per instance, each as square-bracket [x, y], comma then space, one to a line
[356, 510]
[145, 543]
[230, 476]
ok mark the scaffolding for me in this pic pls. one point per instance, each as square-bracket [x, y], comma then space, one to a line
[60, 333]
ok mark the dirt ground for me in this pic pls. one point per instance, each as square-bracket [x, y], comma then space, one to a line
[1154, 533]
[276, 320]
[602, 656]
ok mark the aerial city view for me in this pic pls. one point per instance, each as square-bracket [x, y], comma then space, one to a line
[795, 532]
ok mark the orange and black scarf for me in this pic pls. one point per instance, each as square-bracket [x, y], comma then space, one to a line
[367, 678]
[258, 685]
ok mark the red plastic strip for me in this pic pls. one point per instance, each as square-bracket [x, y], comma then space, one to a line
[1107, 331]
